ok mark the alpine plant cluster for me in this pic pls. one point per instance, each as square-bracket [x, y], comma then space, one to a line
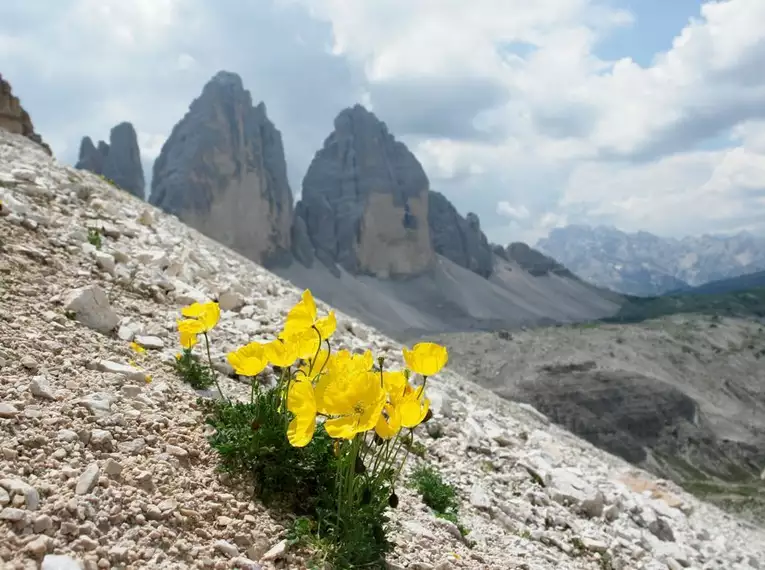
[349, 405]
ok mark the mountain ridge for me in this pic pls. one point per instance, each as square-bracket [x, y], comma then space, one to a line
[644, 264]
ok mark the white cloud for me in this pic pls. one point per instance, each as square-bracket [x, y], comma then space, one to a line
[505, 208]
[185, 62]
[150, 144]
[505, 102]
[622, 138]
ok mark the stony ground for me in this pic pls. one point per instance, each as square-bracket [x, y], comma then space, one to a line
[625, 388]
[101, 469]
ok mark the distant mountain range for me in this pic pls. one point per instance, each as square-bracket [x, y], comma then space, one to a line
[644, 264]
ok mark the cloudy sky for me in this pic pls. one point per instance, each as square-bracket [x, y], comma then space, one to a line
[644, 114]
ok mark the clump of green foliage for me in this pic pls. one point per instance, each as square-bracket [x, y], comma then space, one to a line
[438, 494]
[192, 371]
[94, 238]
[108, 180]
[414, 447]
[250, 441]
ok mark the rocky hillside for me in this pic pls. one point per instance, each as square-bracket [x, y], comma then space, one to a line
[364, 204]
[644, 264]
[103, 468]
[533, 261]
[682, 396]
[119, 160]
[222, 171]
[13, 117]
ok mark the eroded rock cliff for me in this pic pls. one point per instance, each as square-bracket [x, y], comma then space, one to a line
[14, 118]
[365, 202]
[223, 171]
[119, 160]
[458, 239]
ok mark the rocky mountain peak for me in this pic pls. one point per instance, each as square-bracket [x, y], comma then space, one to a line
[13, 117]
[456, 238]
[119, 160]
[223, 171]
[364, 203]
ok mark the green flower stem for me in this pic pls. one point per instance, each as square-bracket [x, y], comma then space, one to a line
[346, 480]
[318, 350]
[406, 456]
[284, 392]
[212, 370]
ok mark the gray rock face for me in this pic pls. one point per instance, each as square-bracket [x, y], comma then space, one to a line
[365, 201]
[534, 261]
[222, 171]
[90, 157]
[456, 238]
[630, 413]
[120, 160]
[302, 248]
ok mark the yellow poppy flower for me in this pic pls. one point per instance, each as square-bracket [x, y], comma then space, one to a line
[302, 316]
[345, 361]
[137, 347]
[302, 403]
[188, 339]
[327, 326]
[281, 353]
[426, 358]
[208, 314]
[395, 385]
[148, 378]
[413, 408]
[357, 399]
[389, 422]
[190, 326]
[304, 342]
[404, 409]
[248, 360]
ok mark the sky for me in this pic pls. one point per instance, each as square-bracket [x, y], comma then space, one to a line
[642, 114]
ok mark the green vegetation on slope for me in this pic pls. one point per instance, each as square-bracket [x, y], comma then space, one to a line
[745, 496]
[746, 303]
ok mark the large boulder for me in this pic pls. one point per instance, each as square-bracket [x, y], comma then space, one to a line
[365, 201]
[14, 118]
[223, 171]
